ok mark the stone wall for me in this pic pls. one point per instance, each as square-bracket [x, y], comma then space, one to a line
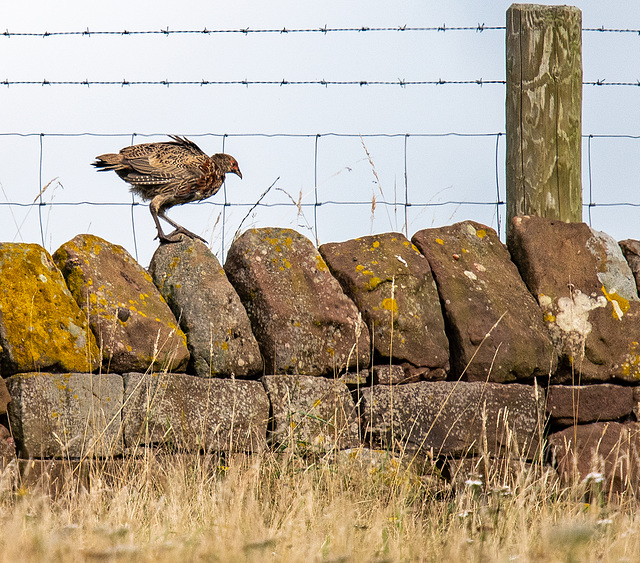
[447, 346]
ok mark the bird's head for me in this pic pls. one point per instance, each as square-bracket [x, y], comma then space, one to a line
[228, 164]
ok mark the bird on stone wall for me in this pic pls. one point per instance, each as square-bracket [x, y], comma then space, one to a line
[169, 173]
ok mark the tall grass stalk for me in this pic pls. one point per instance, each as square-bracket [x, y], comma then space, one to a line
[270, 507]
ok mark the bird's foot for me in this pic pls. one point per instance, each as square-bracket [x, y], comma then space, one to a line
[172, 236]
[164, 239]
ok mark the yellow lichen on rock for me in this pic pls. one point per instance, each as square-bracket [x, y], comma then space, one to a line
[619, 303]
[42, 326]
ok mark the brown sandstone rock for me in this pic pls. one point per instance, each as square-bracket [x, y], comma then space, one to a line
[7, 446]
[301, 318]
[568, 404]
[69, 415]
[311, 413]
[631, 250]
[588, 296]
[392, 285]
[209, 310]
[4, 396]
[453, 418]
[391, 375]
[495, 327]
[602, 450]
[41, 326]
[194, 414]
[133, 325]
[55, 477]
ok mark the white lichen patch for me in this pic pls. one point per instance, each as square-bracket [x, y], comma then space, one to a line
[573, 312]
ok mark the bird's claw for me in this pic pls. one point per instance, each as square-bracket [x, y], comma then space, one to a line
[171, 237]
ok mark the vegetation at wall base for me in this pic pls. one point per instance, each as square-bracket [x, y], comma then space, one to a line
[345, 506]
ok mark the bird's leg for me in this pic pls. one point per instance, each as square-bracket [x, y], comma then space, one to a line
[179, 229]
[155, 207]
[157, 212]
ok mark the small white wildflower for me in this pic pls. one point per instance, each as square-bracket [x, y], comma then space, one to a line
[595, 477]
[604, 522]
[473, 483]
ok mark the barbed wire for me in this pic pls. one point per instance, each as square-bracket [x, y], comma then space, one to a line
[326, 83]
[247, 31]
[283, 82]
[478, 28]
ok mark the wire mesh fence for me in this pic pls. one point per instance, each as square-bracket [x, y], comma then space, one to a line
[338, 186]
[328, 185]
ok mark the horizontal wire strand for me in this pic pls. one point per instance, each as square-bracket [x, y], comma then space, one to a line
[326, 83]
[479, 28]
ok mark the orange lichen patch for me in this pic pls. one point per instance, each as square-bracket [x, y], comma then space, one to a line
[620, 304]
[288, 241]
[439, 241]
[390, 304]
[481, 233]
[376, 244]
[549, 317]
[287, 264]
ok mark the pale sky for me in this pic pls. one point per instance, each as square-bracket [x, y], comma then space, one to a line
[438, 169]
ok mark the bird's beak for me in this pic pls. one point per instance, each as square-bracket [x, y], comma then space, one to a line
[238, 173]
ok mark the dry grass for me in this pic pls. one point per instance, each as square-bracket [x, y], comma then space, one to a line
[282, 508]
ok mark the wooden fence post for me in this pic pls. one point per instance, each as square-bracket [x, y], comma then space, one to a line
[544, 112]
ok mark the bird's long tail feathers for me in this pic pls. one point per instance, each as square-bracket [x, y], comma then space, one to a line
[108, 162]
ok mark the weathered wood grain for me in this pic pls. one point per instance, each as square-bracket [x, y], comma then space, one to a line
[544, 111]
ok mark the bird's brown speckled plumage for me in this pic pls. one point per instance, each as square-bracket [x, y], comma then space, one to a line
[168, 174]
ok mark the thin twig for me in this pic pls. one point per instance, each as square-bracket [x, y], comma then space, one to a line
[254, 206]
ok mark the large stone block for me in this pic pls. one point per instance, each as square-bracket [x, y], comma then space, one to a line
[494, 324]
[41, 326]
[134, 326]
[587, 293]
[604, 452]
[455, 418]
[302, 320]
[311, 413]
[209, 310]
[392, 285]
[71, 415]
[193, 414]
[579, 404]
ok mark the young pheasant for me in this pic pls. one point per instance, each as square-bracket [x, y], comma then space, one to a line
[168, 174]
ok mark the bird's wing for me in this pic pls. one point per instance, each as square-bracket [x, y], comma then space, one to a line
[181, 159]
